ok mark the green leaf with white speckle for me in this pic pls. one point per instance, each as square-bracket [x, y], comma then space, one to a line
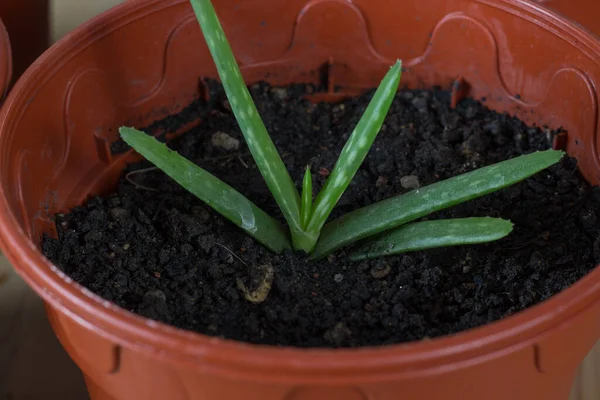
[211, 190]
[396, 211]
[356, 148]
[260, 144]
[431, 234]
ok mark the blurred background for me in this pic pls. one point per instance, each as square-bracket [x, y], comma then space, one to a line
[33, 365]
[65, 15]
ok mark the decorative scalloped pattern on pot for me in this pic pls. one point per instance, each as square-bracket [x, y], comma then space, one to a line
[142, 61]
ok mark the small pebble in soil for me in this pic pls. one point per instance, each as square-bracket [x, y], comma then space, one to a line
[224, 141]
[380, 270]
[324, 172]
[410, 182]
[280, 93]
[338, 334]
[381, 181]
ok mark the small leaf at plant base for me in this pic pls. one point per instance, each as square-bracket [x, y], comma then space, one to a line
[211, 190]
[396, 211]
[259, 142]
[306, 209]
[356, 148]
[432, 234]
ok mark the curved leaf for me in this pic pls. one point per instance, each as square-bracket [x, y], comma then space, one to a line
[259, 142]
[356, 148]
[211, 190]
[396, 211]
[431, 234]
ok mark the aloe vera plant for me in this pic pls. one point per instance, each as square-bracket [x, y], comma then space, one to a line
[382, 228]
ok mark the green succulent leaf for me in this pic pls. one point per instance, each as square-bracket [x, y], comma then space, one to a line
[432, 234]
[396, 211]
[259, 142]
[356, 148]
[306, 208]
[307, 220]
[211, 190]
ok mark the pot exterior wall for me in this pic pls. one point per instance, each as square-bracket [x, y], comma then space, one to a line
[57, 124]
[114, 373]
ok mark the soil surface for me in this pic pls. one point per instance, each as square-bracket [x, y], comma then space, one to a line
[153, 249]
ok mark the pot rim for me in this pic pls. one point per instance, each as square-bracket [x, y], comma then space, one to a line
[5, 51]
[166, 342]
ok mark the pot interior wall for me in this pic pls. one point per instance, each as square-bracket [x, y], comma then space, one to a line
[57, 152]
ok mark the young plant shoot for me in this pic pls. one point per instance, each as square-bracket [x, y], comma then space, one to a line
[383, 228]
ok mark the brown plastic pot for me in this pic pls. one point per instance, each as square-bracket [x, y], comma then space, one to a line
[27, 24]
[143, 59]
[5, 61]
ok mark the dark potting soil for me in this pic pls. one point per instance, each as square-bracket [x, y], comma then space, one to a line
[154, 249]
